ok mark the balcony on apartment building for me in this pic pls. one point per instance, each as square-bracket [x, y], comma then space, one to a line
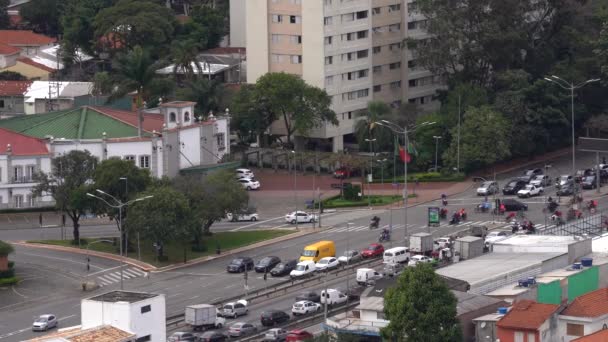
[389, 34]
[346, 21]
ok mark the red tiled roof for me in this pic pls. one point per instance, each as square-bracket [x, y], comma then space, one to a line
[13, 88]
[24, 38]
[226, 50]
[599, 336]
[527, 314]
[21, 145]
[28, 61]
[592, 304]
[6, 49]
[151, 122]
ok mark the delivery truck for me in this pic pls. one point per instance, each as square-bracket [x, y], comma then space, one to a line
[203, 316]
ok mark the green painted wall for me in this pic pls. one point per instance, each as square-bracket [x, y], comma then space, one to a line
[550, 293]
[583, 282]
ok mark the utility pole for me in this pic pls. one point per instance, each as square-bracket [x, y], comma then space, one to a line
[458, 138]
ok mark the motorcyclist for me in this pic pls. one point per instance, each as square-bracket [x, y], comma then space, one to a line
[455, 218]
[375, 222]
[444, 199]
[592, 204]
[385, 235]
[443, 213]
[463, 214]
[484, 206]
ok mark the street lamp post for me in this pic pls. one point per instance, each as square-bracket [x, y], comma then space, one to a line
[89, 246]
[436, 137]
[295, 192]
[119, 205]
[382, 161]
[371, 171]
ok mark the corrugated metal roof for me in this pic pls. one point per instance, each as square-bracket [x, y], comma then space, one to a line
[468, 302]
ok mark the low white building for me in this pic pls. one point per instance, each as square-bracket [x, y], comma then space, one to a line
[140, 313]
[585, 315]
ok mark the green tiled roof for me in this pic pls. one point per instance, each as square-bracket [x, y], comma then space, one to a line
[79, 123]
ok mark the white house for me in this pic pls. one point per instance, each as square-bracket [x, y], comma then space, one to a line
[585, 315]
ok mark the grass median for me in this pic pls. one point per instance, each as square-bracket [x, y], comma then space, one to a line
[175, 251]
[365, 201]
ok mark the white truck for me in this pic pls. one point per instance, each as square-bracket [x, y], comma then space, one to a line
[203, 316]
[421, 243]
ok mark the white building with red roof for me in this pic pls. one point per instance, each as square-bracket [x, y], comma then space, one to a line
[12, 97]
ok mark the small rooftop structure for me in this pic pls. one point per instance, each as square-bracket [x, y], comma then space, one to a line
[20, 38]
[527, 314]
[123, 296]
[104, 333]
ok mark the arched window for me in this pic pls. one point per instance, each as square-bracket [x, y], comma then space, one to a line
[186, 117]
[172, 117]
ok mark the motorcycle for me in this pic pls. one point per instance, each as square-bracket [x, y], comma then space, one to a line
[444, 202]
[443, 213]
[591, 206]
[384, 236]
[374, 222]
[510, 217]
[455, 219]
[482, 208]
[574, 214]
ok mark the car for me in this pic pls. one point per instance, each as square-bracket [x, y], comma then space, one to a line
[541, 180]
[240, 329]
[589, 182]
[564, 180]
[367, 276]
[244, 173]
[311, 296]
[333, 297]
[496, 235]
[273, 317]
[182, 336]
[566, 190]
[45, 322]
[514, 205]
[342, 173]
[513, 186]
[303, 268]
[419, 259]
[373, 250]
[283, 268]
[249, 183]
[533, 172]
[443, 242]
[350, 257]
[240, 264]
[300, 217]
[487, 188]
[298, 335]
[275, 335]
[234, 309]
[267, 263]
[213, 336]
[243, 217]
[530, 190]
[327, 263]
[392, 270]
[580, 174]
[305, 307]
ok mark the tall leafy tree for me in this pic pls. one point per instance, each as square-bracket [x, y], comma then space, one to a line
[68, 184]
[184, 55]
[43, 16]
[252, 113]
[367, 127]
[5, 21]
[208, 95]
[420, 308]
[77, 24]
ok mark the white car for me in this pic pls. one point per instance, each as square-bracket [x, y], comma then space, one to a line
[530, 190]
[496, 235]
[416, 259]
[327, 263]
[332, 297]
[243, 173]
[301, 217]
[243, 217]
[350, 257]
[541, 180]
[304, 307]
[487, 188]
[249, 183]
[303, 268]
[443, 242]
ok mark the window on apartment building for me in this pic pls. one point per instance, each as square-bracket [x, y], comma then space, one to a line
[146, 338]
[412, 7]
[348, 76]
[295, 39]
[362, 93]
[1, 103]
[328, 40]
[18, 173]
[396, 85]
[276, 58]
[361, 14]
[518, 336]
[30, 200]
[329, 80]
[394, 8]
[362, 54]
[412, 101]
[575, 329]
[377, 69]
[362, 73]
[412, 83]
[376, 10]
[350, 115]
[395, 47]
[327, 2]
[362, 34]
[348, 17]
[296, 59]
[130, 158]
[394, 28]
[295, 19]
[411, 25]
[394, 66]
[328, 21]
[377, 88]
[18, 201]
[329, 60]
[277, 18]
[348, 56]
[276, 38]
[348, 36]
[144, 162]
[411, 64]
[376, 49]
[30, 171]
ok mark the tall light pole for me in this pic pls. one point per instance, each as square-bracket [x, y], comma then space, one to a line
[458, 138]
[295, 192]
[127, 198]
[571, 87]
[436, 137]
[382, 161]
[118, 205]
[403, 130]
[371, 171]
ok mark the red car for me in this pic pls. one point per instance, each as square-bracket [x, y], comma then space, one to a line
[373, 250]
[342, 173]
[298, 335]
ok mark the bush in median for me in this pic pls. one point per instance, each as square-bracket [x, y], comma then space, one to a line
[9, 281]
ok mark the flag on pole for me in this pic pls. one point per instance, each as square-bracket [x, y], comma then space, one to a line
[404, 155]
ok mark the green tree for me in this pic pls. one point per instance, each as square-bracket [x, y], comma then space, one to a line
[68, 184]
[164, 218]
[252, 113]
[212, 198]
[11, 76]
[208, 27]
[420, 308]
[208, 95]
[184, 56]
[484, 139]
[5, 21]
[5, 250]
[43, 16]
[367, 127]
[78, 28]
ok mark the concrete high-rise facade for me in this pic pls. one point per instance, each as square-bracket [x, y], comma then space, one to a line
[354, 49]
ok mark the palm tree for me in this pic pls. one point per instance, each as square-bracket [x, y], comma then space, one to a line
[208, 95]
[184, 57]
[366, 127]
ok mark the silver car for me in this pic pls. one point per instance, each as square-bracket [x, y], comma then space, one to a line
[275, 335]
[44, 323]
[241, 329]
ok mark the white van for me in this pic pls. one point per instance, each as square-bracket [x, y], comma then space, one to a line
[396, 255]
[303, 268]
[332, 297]
[367, 275]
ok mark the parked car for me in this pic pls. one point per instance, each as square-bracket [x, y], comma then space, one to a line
[514, 205]
[244, 173]
[242, 217]
[526, 178]
[342, 173]
[443, 242]
[530, 190]
[332, 297]
[487, 188]
[267, 263]
[513, 186]
[301, 217]
[564, 180]
[213, 336]
[533, 172]
[240, 264]
[419, 259]
[305, 307]
[495, 235]
[581, 174]
[45, 322]
[392, 270]
[589, 182]
[273, 317]
[275, 335]
[303, 268]
[283, 268]
[234, 309]
[327, 263]
[541, 180]
[182, 336]
[249, 183]
[309, 296]
[372, 251]
[298, 335]
[240, 329]
[350, 257]
[566, 190]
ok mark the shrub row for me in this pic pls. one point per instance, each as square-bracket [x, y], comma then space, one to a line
[8, 281]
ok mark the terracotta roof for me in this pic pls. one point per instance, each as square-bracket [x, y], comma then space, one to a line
[151, 122]
[104, 333]
[28, 61]
[599, 336]
[527, 314]
[592, 304]
[21, 145]
[6, 49]
[24, 38]
[225, 50]
[14, 88]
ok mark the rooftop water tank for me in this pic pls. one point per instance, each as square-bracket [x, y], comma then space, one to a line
[587, 262]
[502, 311]
[577, 266]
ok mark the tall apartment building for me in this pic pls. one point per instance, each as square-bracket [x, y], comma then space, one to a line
[351, 48]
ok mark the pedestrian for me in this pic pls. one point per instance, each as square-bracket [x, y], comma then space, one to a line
[146, 275]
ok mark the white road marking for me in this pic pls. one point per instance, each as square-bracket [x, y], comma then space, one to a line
[56, 258]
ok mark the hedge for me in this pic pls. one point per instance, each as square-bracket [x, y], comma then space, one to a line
[427, 177]
[27, 210]
[8, 281]
[7, 274]
[359, 203]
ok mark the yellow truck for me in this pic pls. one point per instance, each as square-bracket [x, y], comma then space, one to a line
[318, 250]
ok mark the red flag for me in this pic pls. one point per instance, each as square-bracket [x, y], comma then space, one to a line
[405, 157]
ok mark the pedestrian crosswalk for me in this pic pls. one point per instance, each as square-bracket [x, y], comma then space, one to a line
[110, 278]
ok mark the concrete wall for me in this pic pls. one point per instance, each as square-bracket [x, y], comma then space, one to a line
[579, 249]
[12, 105]
[257, 42]
[466, 319]
[238, 32]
